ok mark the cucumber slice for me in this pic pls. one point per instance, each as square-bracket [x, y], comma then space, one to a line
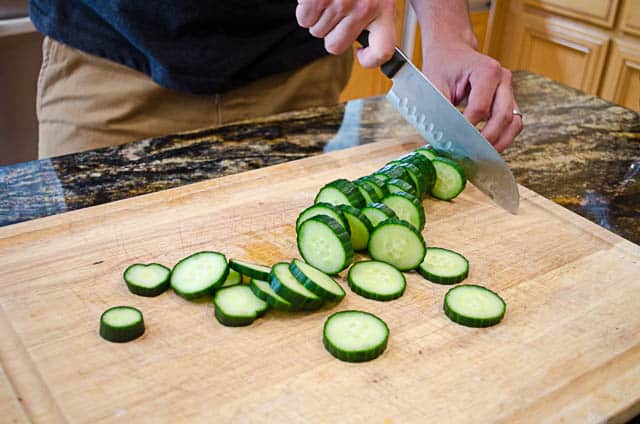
[396, 170]
[397, 243]
[444, 266]
[323, 209]
[199, 274]
[395, 185]
[378, 212]
[416, 177]
[450, 180]
[121, 324]
[474, 306]
[427, 152]
[340, 192]
[376, 280]
[260, 272]
[426, 168]
[376, 183]
[237, 306]
[407, 208]
[316, 281]
[285, 284]
[355, 336]
[323, 243]
[147, 280]
[263, 290]
[360, 227]
[233, 278]
[369, 194]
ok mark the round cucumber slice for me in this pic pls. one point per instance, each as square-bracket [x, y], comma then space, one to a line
[285, 284]
[376, 280]
[323, 243]
[340, 192]
[427, 152]
[323, 209]
[360, 227]
[260, 272]
[355, 336]
[378, 212]
[199, 274]
[450, 179]
[397, 243]
[121, 324]
[233, 278]
[395, 185]
[369, 194]
[376, 183]
[474, 306]
[407, 207]
[237, 306]
[263, 290]
[147, 280]
[316, 281]
[444, 266]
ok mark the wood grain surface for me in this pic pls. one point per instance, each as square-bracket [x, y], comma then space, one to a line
[567, 350]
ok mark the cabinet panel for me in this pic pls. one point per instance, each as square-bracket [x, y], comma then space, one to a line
[622, 81]
[601, 12]
[564, 51]
[630, 17]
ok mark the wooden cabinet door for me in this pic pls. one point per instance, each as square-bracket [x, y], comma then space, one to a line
[600, 12]
[562, 50]
[622, 81]
[630, 17]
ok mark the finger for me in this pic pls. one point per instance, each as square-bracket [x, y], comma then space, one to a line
[308, 12]
[483, 81]
[501, 110]
[342, 36]
[330, 17]
[382, 40]
[510, 133]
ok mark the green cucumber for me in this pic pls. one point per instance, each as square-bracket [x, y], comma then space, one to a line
[359, 225]
[376, 280]
[369, 194]
[396, 170]
[474, 306]
[444, 266]
[395, 185]
[263, 290]
[260, 272]
[285, 284]
[397, 243]
[323, 209]
[427, 152]
[340, 192]
[237, 306]
[355, 336]
[121, 324]
[147, 280]
[450, 180]
[233, 278]
[199, 274]
[378, 212]
[407, 207]
[325, 244]
[375, 183]
[316, 281]
[426, 168]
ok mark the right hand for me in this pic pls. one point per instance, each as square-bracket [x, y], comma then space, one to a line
[340, 22]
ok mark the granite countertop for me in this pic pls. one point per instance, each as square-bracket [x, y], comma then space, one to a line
[576, 149]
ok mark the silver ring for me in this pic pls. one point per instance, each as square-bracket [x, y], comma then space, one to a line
[516, 112]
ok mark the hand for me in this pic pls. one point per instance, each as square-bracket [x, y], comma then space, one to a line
[461, 73]
[340, 22]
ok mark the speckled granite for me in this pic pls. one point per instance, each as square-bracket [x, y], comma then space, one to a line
[576, 149]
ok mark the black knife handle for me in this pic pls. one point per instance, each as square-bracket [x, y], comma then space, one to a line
[388, 68]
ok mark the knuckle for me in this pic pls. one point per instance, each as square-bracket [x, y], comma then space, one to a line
[333, 46]
[342, 6]
[493, 68]
[507, 75]
[366, 8]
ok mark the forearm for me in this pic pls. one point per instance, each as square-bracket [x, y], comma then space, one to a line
[444, 20]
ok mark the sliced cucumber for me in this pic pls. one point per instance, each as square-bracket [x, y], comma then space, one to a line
[396, 170]
[316, 281]
[287, 285]
[237, 306]
[444, 266]
[416, 177]
[147, 280]
[375, 183]
[398, 243]
[121, 324]
[355, 336]
[340, 192]
[378, 212]
[395, 185]
[260, 272]
[369, 194]
[323, 209]
[233, 278]
[426, 168]
[263, 290]
[323, 243]
[199, 274]
[474, 306]
[359, 225]
[450, 180]
[376, 280]
[427, 152]
[407, 208]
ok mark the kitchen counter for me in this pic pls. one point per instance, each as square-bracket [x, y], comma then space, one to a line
[576, 149]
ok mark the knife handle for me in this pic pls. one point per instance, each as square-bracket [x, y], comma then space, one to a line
[393, 65]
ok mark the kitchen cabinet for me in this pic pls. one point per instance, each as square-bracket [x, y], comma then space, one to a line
[592, 45]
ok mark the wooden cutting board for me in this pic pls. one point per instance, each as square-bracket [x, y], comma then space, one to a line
[568, 348]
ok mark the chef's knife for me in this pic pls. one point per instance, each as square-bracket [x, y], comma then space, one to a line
[447, 130]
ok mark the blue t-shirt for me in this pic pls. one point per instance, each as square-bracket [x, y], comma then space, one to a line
[195, 46]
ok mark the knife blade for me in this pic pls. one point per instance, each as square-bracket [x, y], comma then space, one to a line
[447, 130]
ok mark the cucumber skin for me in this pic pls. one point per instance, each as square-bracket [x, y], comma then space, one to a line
[121, 335]
[340, 232]
[416, 203]
[425, 166]
[394, 170]
[397, 221]
[235, 321]
[443, 280]
[249, 272]
[348, 209]
[272, 301]
[208, 290]
[400, 185]
[312, 286]
[147, 291]
[374, 183]
[334, 208]
[372, 295]
[347, 188]
[473, 322]
[462, 175]
[296, 299]
[367, 191]
[358, 356]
